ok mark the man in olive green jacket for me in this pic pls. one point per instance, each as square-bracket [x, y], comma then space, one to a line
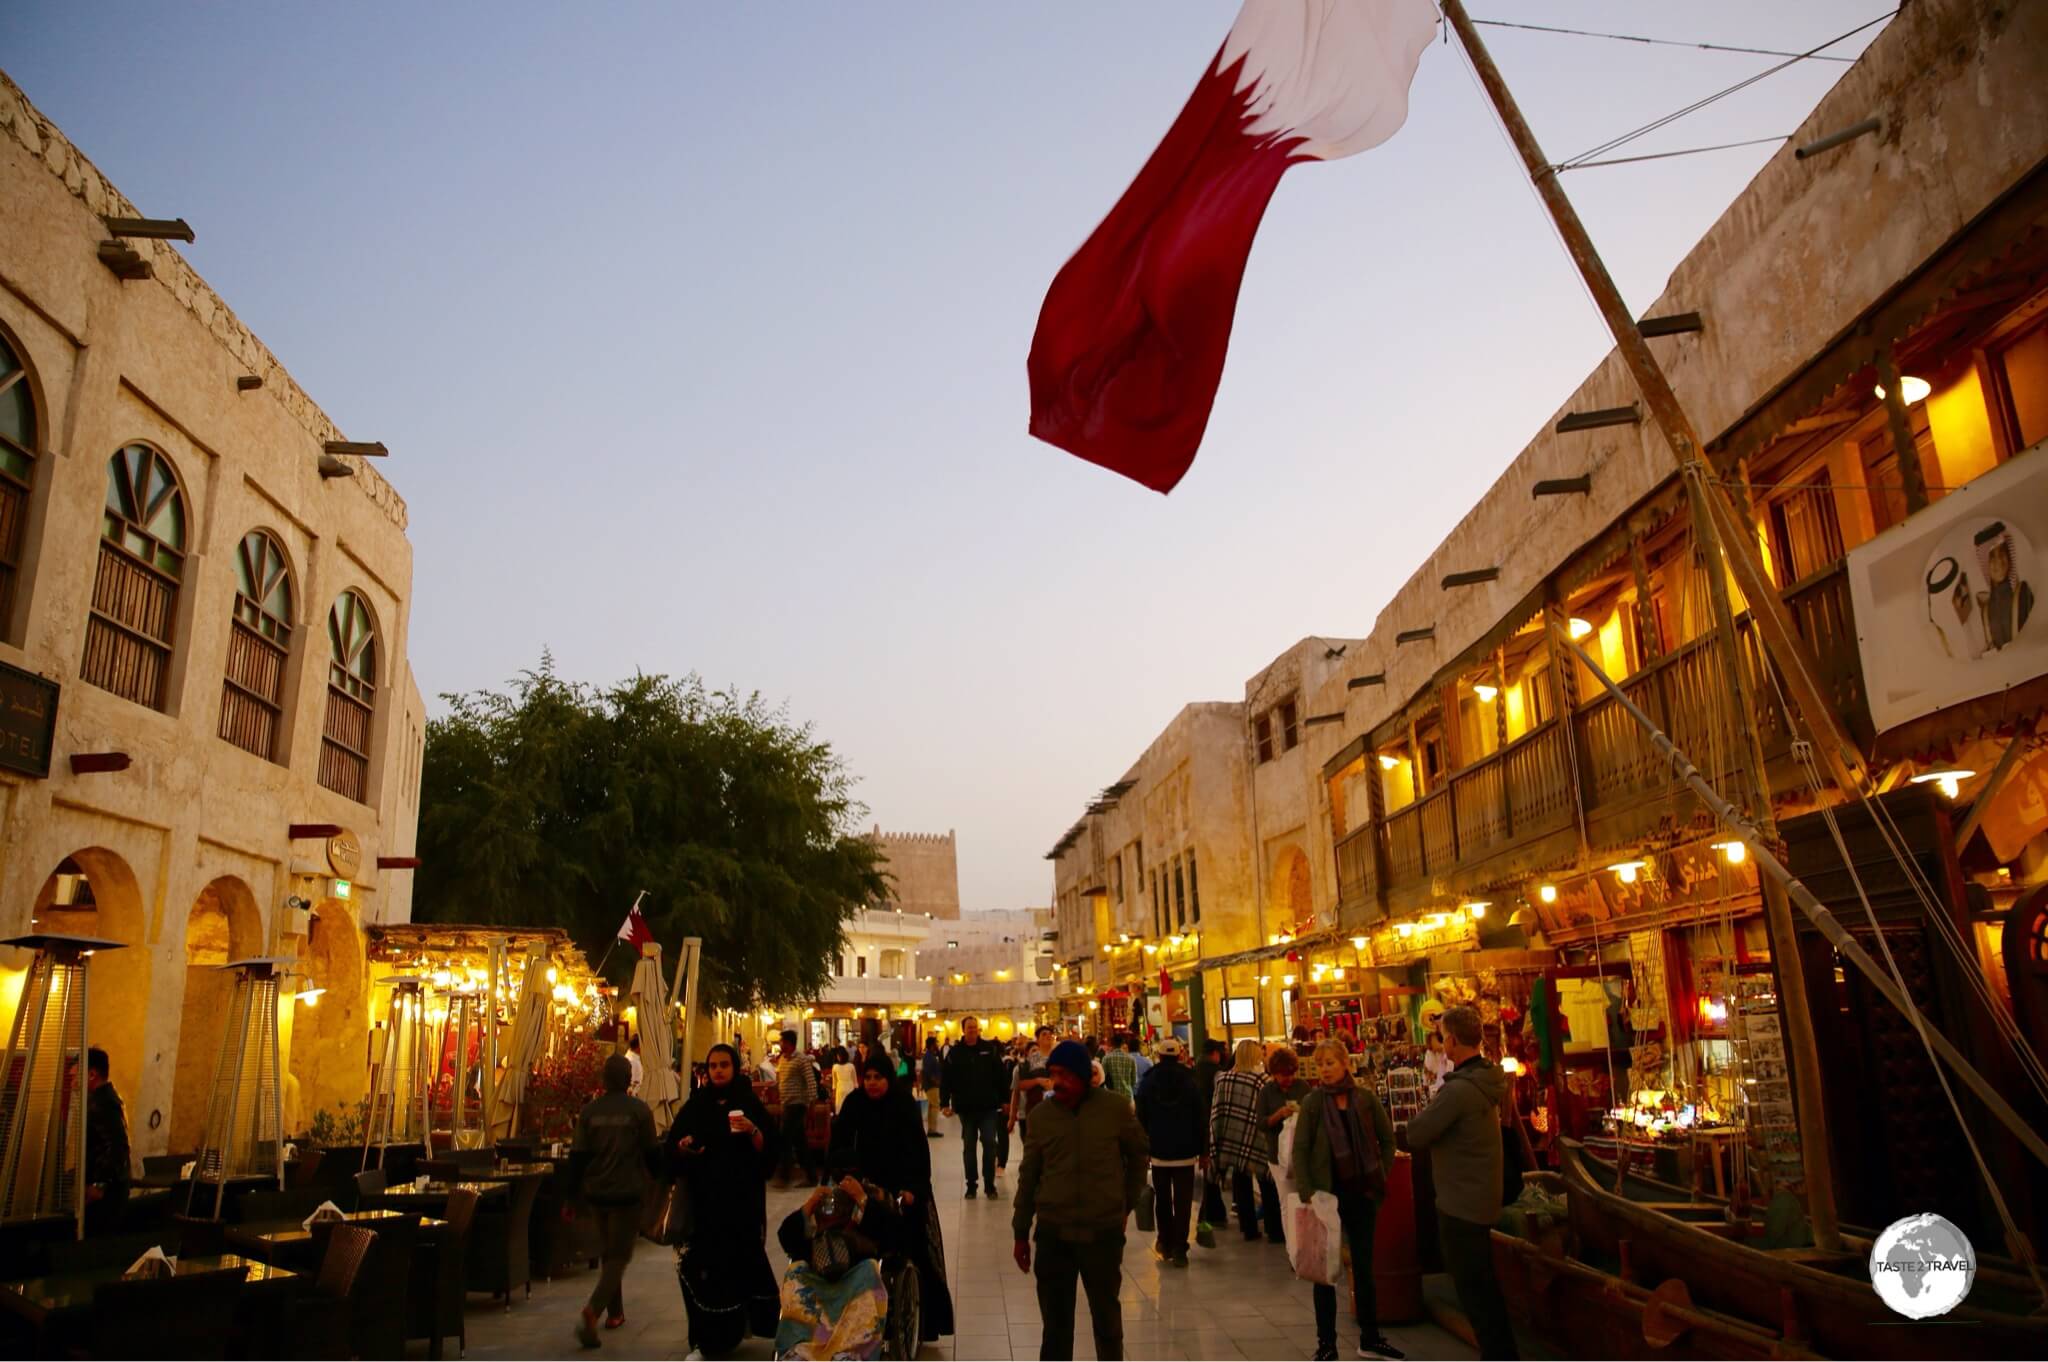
[1084, 1163]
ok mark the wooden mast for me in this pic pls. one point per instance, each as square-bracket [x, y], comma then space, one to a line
[1722, 534]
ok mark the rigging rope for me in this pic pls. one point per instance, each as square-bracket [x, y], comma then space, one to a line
[1654, 42]
[1667, 155]
[1698, 104]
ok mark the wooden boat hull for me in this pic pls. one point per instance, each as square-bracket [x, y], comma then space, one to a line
[1791, 1292]
[1585, 1312]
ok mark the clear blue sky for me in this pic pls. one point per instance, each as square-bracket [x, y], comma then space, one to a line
[697, 333]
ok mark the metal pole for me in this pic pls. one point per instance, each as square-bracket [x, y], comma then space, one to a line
[1835, 746]
[1992, 785]
[1838, 936]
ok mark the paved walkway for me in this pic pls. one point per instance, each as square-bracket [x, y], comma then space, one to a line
[1238, 1300]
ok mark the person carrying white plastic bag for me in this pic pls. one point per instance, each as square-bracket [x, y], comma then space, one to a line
[1342, 1145]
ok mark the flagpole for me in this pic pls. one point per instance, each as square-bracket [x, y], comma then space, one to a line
[599, 971]
[1717, 528]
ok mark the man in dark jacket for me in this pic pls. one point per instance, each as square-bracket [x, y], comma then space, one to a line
[1084, 1164]
[107, 1174]
[974, 1087]
[1170, 1110]
[613, 1159]
[1461, 1130]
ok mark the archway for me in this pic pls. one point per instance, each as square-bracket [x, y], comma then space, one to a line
[331, 1027]
[1295, 891]
[92, 892]
[224, 925]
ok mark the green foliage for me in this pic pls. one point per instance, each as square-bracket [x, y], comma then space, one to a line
[554, 803]
[329, 1131]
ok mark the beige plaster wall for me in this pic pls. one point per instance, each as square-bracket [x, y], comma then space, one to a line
[156, 360]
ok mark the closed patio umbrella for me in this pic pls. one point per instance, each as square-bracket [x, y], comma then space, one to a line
[529, 1025]
[658, 1086]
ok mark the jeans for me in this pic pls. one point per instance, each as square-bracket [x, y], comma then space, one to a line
[617, 1228]
[986, 1126]
[1358, 1214]
[796, 1143]
[1173, 1195]
[1099, 1264]
[1468, 1257]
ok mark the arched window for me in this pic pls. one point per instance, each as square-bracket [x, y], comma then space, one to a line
[259, 639]
[17, 469]
[135, 596]
[351, 698]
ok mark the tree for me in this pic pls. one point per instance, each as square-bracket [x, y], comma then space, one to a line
[554, 803]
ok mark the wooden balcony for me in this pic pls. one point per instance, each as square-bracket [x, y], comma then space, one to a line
[1519, 809]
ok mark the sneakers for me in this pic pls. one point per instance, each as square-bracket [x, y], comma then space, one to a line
[1325, 1352]
[1379, 1347]
[970, 1191]
[586, 1328]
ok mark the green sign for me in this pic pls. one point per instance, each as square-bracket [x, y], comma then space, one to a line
[28, 721]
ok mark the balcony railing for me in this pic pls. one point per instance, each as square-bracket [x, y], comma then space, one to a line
[1495, 810]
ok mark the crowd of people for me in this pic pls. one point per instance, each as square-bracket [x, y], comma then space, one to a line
[1107, 1133]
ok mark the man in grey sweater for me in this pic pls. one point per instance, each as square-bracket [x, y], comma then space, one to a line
[1461, 1130]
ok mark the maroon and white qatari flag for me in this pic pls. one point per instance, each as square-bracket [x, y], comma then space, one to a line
[1131, 338]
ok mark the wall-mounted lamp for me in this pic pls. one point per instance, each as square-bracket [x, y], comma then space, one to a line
[1477, 908]
[1626, 871]
[1577, 627]
[1487, 694]
[1388, 763]
[1547, 892]
[1911, 388]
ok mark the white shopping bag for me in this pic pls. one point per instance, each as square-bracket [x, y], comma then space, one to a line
[1285, 1159]
[1315, 1237]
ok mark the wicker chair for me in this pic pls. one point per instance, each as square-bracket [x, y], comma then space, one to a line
[322, 1316]
[500, 1256]
[369, 1183]
[436, 1295]
[199, 1237]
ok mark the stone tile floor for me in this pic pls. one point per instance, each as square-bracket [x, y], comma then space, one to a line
[1238, 1300]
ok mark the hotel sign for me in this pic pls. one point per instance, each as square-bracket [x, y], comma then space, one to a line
[28, 721]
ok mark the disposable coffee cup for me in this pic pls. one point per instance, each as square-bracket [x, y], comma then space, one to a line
[733, 1119]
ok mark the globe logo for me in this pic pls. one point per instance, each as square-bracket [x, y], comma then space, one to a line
[1922, 1266]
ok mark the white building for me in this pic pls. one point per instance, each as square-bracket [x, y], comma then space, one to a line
[876, 977]
[993, 965]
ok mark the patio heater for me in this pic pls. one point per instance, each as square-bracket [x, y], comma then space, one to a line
[468, 1013]
[244, 1136]
[42, 1101]
[398, 1084]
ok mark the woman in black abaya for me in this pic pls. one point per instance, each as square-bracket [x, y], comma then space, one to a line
[878, 1135]
[724, 1145]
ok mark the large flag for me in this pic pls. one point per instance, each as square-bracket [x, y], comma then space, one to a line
[1131, 339]
[634, 931]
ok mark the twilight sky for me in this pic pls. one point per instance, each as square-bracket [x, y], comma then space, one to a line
[697, 333]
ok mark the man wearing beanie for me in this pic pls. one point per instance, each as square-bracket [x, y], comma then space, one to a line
[1084, 1163]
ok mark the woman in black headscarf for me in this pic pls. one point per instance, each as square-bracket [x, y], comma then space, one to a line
[724, 1145]
[878, 1136]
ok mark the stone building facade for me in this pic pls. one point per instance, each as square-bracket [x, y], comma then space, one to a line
[925, 870]
[1453, 760]
[208, 614]
[996, 965]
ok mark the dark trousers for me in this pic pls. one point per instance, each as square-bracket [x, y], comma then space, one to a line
[617, 1228]
[796, 1141]
[1251, 1213]
[1099, 1264]
[1173, 1196]
[1468, 1257]
[986, 1127]
[1358, 1214]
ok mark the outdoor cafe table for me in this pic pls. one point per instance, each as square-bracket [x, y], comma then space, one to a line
[290, 1244]
[433, 1199]
[57, 1307]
